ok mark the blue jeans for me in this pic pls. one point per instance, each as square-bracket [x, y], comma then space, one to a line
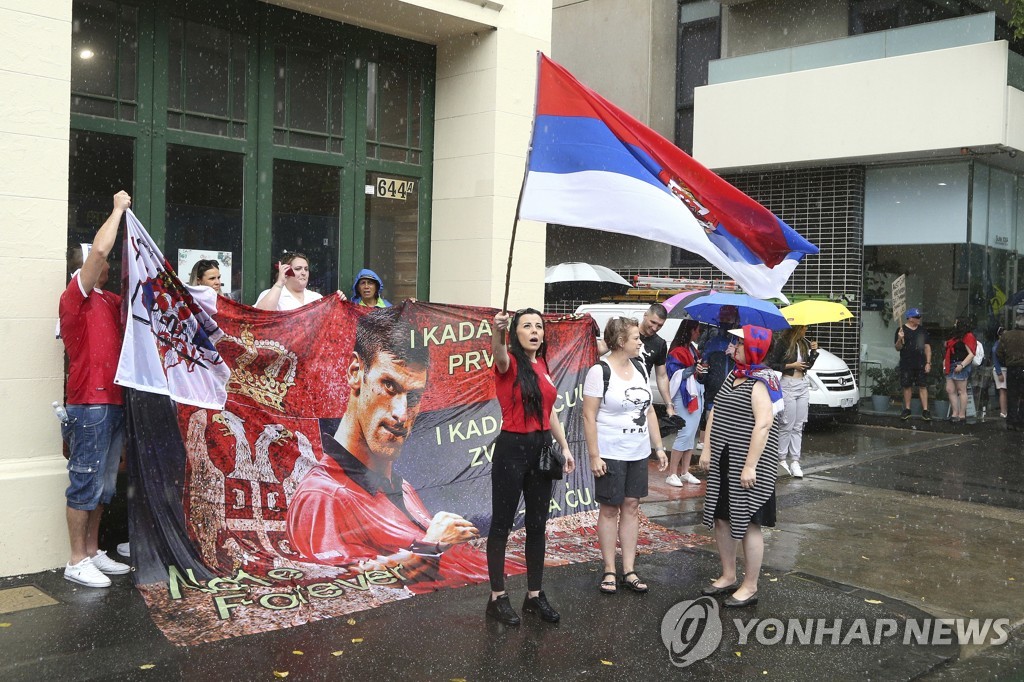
[95, 436]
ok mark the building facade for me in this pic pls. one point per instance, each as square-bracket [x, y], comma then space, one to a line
[888, 133]
[388, 135]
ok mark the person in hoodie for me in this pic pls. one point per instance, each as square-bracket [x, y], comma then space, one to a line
[368, 290]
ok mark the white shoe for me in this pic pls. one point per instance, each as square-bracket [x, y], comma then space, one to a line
[85, 573]
[690, 478]
[124, 549]
[797, 471]
[674, 481]
[700, 445]
[108, 565]
[785, 467]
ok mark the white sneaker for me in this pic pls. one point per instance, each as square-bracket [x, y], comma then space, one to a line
[85, 573]
[699, 446]
[785, 467]
[690, 478]
[797, 471]
[674, 481]
[124, 549]
[108, 565]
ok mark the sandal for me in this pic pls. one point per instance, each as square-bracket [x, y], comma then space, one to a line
[608, 586]
[636, 584]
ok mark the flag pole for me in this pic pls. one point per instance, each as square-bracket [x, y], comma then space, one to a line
[522, 187]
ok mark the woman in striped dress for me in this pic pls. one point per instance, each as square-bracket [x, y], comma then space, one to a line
[741, 452]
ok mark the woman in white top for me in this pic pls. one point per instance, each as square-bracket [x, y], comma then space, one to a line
[621, 428]
[289, 291]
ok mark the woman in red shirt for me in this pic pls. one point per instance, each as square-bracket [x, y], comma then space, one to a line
[527, 395]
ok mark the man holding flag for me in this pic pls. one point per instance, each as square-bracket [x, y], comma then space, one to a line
[90, 324]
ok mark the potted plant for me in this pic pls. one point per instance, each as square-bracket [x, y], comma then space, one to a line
[885, 386]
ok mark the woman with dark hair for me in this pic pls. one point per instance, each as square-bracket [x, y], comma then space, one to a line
[206, 273]
[527, 395]
[956, 365]
[792, 355]
[621, 429]
[686, 376]
[741, 455]
[289, 291]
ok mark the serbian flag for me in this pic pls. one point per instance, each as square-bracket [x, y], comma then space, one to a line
[593, 165]
[170, 332]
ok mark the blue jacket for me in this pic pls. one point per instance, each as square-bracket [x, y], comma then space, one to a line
[366, 273]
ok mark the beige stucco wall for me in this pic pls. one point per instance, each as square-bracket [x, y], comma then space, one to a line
[626, 51]
[35, 80]
[485, 88]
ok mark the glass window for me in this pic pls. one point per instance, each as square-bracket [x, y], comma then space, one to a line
[104, 43]
[392, 229]
[204, 208]
[206, 89]
[394, 106]
[309, 98]
[100, 166]
[306, 210]
[699, 43]
[916, 204]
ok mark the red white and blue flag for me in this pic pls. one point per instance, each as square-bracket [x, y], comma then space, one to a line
[593, 165]
[170, 332]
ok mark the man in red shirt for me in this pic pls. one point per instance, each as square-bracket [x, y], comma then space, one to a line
[353, 509]
[90, 326]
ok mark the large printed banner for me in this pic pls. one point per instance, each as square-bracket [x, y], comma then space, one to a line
[349, 468]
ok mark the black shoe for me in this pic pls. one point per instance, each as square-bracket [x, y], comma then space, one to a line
[712, 591]
[733, 602]
[501, 610]
[926, 415]
[541, 607]
[905, 415]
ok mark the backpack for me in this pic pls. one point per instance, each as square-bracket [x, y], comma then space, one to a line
[979, 353]
[606, 370]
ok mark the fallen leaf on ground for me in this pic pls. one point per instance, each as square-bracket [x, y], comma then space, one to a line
[604, 662]
[738, 653]
[773, 580]
[280, 673]
[357, 640]
[146, 666]
[351, 621]
[337, 653]
[864, 558]
[297, 652]
[7, 625]
[872, 601]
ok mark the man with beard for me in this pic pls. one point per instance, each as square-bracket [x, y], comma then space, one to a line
[353, 509]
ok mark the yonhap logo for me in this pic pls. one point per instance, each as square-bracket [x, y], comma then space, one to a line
[691, 631]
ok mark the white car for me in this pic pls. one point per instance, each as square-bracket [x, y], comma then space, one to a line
[833, 391]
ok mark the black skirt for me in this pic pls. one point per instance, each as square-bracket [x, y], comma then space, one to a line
[764, 516]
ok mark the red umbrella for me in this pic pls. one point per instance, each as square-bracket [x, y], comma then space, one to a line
[679, 301]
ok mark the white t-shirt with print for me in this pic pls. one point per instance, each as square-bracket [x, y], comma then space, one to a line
[622, 415]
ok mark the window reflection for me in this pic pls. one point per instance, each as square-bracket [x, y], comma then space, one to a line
[306, 219]
[204, 207]
[104, 44]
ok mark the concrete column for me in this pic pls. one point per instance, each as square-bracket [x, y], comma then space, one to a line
[35, 79]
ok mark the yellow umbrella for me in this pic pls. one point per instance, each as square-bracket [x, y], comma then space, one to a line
[815, 312]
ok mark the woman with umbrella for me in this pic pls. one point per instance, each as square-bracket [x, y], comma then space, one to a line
[741, 454]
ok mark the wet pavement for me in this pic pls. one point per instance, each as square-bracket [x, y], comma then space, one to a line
[891, 523]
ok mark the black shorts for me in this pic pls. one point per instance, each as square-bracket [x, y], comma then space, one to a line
[913, 376]
[622, 480]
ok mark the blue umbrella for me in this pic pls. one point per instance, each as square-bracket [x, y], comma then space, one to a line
[751, 310]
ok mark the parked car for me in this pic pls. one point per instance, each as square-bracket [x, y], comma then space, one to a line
[833, 391]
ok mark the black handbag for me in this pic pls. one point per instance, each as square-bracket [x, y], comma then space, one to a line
[552, 461]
